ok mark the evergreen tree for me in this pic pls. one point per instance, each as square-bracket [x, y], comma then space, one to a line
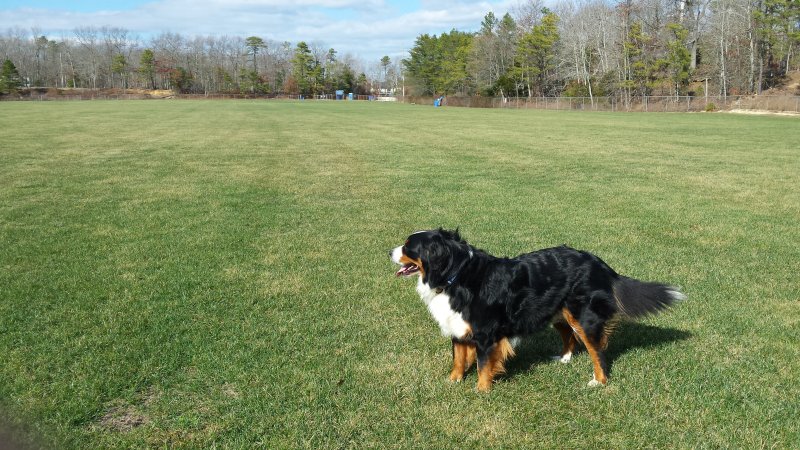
[505, 47]
[329, 71]
[254, 44]
[438, 65]
[119, 66]
[421, 66]
[679, 58]
[778, 29]
[147, 67]
[253, 83]
[346, 79]
[535, 58]
[639, 73]
[226, 82]
[385, 62]
[10, 80]
[362, 85]
[307, 71]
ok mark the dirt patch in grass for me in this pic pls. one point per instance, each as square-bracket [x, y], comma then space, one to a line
[763, 112]
[123, 418]
[230, 390]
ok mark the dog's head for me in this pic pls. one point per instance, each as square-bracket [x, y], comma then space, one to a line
[436, 255]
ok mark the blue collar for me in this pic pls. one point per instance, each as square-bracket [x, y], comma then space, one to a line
[454, 277]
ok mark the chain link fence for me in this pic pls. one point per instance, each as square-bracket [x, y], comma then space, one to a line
[779, 103]
[774, 103]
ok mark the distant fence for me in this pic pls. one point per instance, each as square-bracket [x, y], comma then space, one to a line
[787, 103]
[780, 103]
[88, 94]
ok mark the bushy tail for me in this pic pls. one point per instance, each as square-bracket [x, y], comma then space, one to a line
[638, 298]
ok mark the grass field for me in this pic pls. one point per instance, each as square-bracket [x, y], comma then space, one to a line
[214, 273]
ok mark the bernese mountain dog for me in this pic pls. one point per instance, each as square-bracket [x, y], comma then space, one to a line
[486, 303]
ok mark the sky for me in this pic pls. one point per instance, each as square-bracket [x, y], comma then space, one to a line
[365, 29]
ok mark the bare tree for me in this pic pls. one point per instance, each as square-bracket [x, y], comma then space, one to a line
[527, 13]
[89, 52]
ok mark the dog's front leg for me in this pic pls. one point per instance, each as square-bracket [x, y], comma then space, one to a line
[463, 358]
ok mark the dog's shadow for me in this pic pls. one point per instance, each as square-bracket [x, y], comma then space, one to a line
[540, 348]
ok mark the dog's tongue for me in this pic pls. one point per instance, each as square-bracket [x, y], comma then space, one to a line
[406, 270]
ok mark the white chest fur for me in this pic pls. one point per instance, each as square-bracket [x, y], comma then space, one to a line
[450, 322]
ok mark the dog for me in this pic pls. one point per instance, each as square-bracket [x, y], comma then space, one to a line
[486, 303]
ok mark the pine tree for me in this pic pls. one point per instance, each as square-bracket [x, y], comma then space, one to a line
[254, 44]
[438, 64]
[639, 76]
[536, 52]
[119, 66]
[778, 25]
[679, 58]
[385, 62]
[306, 70]
[147, 67]
[10, 80]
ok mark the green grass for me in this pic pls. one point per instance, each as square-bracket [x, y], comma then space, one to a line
[213, 273]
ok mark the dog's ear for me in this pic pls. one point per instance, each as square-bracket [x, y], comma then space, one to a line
[436, 260]
[444, 257]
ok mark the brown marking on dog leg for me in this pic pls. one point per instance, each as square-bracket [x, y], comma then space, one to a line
[496, 364]
[591, 347]
[567, 339]
[463, 356]
[459, 361]
[472, 356]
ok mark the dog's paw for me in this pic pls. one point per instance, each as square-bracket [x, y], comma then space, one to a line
[456, 378]
[564, 359]
[484, 387]
[594, 383]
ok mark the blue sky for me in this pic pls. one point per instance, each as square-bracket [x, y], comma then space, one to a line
[367, 29]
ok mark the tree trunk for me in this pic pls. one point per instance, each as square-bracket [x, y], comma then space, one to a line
[723, 77]
[591, 96]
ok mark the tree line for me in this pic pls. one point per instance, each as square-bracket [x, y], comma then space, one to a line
[627, 49]
[111, 57]
[590, 48]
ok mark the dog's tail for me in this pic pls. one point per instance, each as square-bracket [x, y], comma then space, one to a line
[638, 298]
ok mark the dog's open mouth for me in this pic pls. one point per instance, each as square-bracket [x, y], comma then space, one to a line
[407, 270]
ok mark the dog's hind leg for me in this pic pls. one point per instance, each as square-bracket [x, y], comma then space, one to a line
[568, 340]
[593, 347]
[491, 361]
